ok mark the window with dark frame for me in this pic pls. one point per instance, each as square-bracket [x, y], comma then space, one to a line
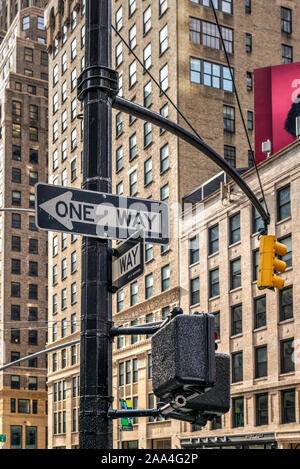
[286, 304]
[230, 155]
[194, 291]
[261, 405]
[287, 364]
[234, 228]
[287, 54]
[214, 283]
[260, 312]
[288, 410]
[194, 249]
[286, 20]
[255, 261]
[236, 320]
[235, 274]
[237, 367]
[261, 361]
[228, 119]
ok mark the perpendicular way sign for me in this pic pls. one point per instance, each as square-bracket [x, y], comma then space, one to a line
[100, 215]
[128, 261]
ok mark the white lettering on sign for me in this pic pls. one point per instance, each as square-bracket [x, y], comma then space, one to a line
[127, 262]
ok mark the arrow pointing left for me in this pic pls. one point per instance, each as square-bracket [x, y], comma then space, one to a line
[58, 208]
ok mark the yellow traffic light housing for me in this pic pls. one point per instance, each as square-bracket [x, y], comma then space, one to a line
[268, 264]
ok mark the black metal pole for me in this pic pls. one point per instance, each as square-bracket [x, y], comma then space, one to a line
[95, 428]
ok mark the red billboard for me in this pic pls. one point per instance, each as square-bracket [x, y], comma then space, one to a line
[276, 105]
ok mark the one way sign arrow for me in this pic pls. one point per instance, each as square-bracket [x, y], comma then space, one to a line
[100, 215]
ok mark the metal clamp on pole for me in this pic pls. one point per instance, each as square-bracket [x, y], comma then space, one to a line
[97, 77]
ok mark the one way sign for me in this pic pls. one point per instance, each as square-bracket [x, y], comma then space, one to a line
[100, 215]
[128, 261]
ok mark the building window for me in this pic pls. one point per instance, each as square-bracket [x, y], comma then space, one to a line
[16, 436]
[210, 74]
[286, 20]
[283, 203]
[260, 313]
[248, 43]
[16, 153]
[163, 78]
[132, 37]
[33, 156]
[228, 119]
[148, 286]
[261, 362]
[236, 320]
[234, 228]
[148, 252]
[287, 364]
[133, 293]
[230, 155]
[286, 304]
[163, 5]
[147, 20]
[249, 81]
[257, 222]
[16, 130]
[73, 49]
[287, 54]
[132, 147]
[150, 366]
[63, 358]
[217, 324]
[213, 239]
[148, 171]
[147, 56]
[255, 261]
[165, 278]
[287, 241]
[194, 250]
[73, 323]
[32, 383]
[261, 404]
[148, 94]
[119, 19]
[207, 34]
[288, 411]
[164, 193]
[119, 158]
[121, 374]
[235, 274]
[15, 336]
[194, 291]
[15, 289]
[132, 74]
[250, 121]
[214, 283]
[133, 183]
[248, 6]
[73, 293]
[238, 412]
[25, 23]
[163, 39]
[147, 134]
[119, 124]
[237, 367]
[120, 300]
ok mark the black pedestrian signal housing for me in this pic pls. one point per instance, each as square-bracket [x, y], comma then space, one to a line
[183, 356]
[190, 379]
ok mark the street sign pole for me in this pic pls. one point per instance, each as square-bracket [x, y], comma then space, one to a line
[95, 428]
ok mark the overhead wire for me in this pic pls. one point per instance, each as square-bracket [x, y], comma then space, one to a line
[239, 103]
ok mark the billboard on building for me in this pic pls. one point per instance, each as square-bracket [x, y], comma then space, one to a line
[276, 105]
